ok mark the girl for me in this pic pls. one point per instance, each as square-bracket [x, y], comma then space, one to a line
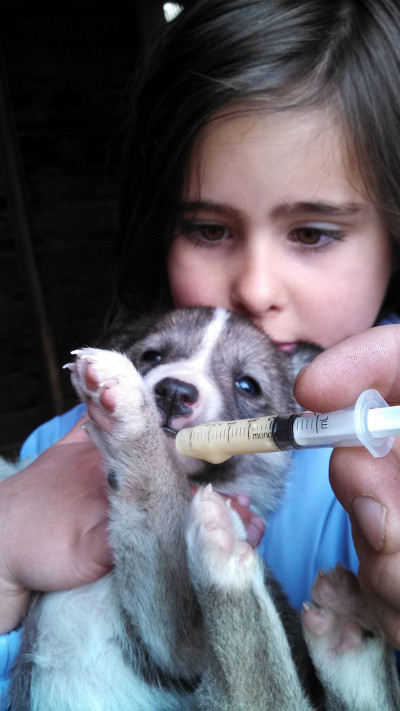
[261, 175]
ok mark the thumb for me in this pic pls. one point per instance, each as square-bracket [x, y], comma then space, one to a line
[94, 555]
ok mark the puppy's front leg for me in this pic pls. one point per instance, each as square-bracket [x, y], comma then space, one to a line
[148, 508]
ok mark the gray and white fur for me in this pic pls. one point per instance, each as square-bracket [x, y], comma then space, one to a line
[190, 618]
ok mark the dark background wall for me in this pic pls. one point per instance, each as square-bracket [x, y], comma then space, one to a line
[66, 68]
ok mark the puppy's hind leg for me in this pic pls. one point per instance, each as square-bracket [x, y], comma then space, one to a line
[352, 658]
[249, 658]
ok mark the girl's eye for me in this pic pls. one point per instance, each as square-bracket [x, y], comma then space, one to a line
[204, 231]
[152, 357]
[314, 236]
[248, 385]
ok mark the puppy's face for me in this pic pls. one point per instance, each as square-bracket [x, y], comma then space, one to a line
[207, 364]
[202, 365]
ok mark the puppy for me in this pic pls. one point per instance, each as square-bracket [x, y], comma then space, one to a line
[190, 618]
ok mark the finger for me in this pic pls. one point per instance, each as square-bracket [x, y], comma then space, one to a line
[77, 433]
[379, 573]
[253, 524]
[387, 615]
[255, 530]
[336, 377]
[94, 559]
[369, 489]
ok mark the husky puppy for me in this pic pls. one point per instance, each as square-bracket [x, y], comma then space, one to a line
[190, 618]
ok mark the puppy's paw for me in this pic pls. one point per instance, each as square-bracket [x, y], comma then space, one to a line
[217, 551]
[113, 390]
[338, 619]
[352, 658]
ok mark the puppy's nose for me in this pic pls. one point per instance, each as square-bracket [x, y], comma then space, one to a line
[174, 397]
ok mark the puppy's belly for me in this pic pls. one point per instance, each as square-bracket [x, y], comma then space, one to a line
[79, 657]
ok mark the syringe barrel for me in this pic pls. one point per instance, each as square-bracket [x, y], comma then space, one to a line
[326, 430]
[364, 424]
[218, 441]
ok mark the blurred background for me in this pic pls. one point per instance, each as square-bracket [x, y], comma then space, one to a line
[65, 72]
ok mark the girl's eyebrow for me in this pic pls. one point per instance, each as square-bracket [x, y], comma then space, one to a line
[204, 205]
[284, 209]
[346, 209]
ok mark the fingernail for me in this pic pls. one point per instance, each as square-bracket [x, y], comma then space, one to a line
[243, 500]
[255, 530]
[253, 534]
[258, 522]
[370, 516]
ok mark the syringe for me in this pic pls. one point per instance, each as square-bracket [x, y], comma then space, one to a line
[371, 422]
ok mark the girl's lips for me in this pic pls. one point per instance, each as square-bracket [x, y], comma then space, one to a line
[285, 347]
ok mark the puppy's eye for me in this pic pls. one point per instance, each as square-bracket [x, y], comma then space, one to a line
[248, 385]
[151, 357]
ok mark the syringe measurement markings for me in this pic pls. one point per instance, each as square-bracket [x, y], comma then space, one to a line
[230, 431]
[306, 423]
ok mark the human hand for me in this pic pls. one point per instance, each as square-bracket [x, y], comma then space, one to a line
[253, 524]
[368, 488]
[53, 519]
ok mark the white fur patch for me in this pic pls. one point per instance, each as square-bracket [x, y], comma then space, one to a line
[195, 371]
[212, 333]
[87, 620]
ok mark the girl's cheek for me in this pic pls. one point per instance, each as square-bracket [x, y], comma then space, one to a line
[188, 274]
[183, 285]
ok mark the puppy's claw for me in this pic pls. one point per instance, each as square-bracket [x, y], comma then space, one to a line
[81, 353]
[207, 491]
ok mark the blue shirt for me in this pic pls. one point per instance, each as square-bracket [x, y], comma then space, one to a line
[309, 530]
[9, 649]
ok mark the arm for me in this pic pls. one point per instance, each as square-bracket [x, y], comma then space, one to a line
[368, 488]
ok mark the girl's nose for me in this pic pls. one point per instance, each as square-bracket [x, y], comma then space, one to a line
[256, 286]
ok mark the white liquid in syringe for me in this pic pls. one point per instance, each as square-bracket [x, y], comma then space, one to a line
[217, 441]
[370, 423]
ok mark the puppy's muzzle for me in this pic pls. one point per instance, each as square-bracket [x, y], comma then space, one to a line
[174, 398]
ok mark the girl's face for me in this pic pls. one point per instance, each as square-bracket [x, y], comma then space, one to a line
[275, 228]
